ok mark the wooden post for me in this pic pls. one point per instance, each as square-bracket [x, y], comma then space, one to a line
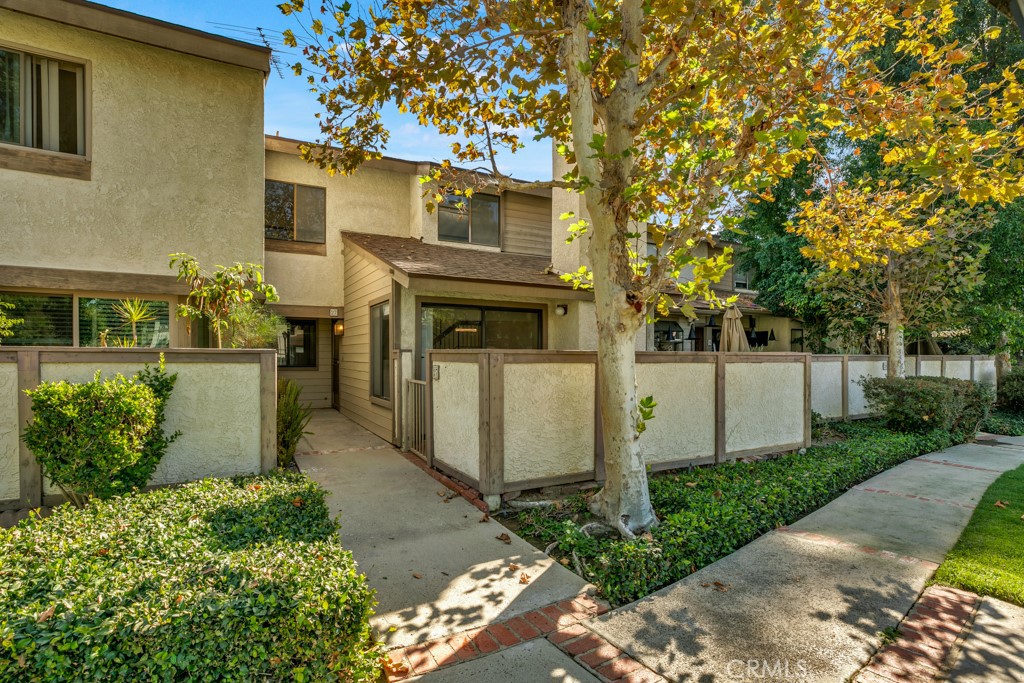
[846, 388]
[599, 468]
[31, 484]
[972, 368]
[719, 407]
[808, 419]
[268, 410]
[429, 412]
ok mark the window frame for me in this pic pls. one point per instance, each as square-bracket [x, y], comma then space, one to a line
[376, 362]
[467, 211]
[315, 339]
[294, 246]
[176, 332]
[22, 157]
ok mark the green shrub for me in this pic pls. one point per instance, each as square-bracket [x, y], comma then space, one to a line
[921, 404]
[101, 438]
[219, 580]
[710, 512]
[292, 419]
[1011, 391]
[87, 437]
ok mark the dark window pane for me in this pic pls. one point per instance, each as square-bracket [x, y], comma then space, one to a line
[310, 213]
[47, 319]
[485, 222]
[67, 112]
[10, 97]
[380, 351]
[296, 347]
[111, 320]
[452, 225]
[279, 210]
[512, 329]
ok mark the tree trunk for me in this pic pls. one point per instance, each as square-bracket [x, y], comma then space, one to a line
[625, 500]
[1002, 357]
[897, 351]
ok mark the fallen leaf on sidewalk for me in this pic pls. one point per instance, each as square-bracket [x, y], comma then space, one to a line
[393, 668]
[485, 518]
[504, 538]
[513, 567]
[524, 578]
[721, 587]
[417, 575]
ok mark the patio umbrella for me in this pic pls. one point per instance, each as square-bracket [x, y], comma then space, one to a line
[733, 336]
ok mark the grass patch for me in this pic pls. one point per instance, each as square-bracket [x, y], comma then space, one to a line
[1004, 422]
[708, 513]
[220, 580]
[989, 557]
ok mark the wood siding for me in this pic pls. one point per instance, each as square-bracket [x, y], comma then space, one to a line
[364, 282]
[527, 224]
[315, 382]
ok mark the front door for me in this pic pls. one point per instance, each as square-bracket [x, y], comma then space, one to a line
[335, 369]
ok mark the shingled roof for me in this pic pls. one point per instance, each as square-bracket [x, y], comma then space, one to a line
[418, 259]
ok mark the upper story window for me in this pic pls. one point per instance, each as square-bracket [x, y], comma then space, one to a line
[295, 213]
[42, 102]
[740, 278]
[473, 221]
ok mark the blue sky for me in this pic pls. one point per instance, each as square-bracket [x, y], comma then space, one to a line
[289, 104]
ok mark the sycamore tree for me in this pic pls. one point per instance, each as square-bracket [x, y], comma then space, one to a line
[668, 113]
[919, 289]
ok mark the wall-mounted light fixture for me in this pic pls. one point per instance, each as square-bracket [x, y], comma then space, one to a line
[339, 328]
[561, 309]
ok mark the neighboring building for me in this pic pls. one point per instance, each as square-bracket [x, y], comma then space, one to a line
[122, 139]
[765, 332]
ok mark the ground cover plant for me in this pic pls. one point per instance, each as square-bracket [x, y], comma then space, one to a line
[989, 557]
[219, 580]
[1004, 422]
[707, 513]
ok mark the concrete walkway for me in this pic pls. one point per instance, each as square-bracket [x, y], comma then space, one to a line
[808, 602]
[437, 568]
[803, 603]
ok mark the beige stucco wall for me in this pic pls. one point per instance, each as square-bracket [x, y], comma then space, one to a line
[549, 419]
[859, 369]
[684, 419]
[958, 369]
[931, 368]
[456, 410]
[215, 405]
[370, 200]
[985, 371]
[10, 479]
[827, 387]
[177, 161]
[764, 405]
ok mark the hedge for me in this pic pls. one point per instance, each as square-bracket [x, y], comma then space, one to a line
[1011, 391]
[220, 580]
[921, 404]
[708, 513]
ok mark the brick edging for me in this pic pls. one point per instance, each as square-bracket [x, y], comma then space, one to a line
[928, 636]
[560, 623]
[467, 492]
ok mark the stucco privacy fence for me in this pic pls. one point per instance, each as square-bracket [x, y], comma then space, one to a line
[224, 403]
[836, 392]
[513, 420]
